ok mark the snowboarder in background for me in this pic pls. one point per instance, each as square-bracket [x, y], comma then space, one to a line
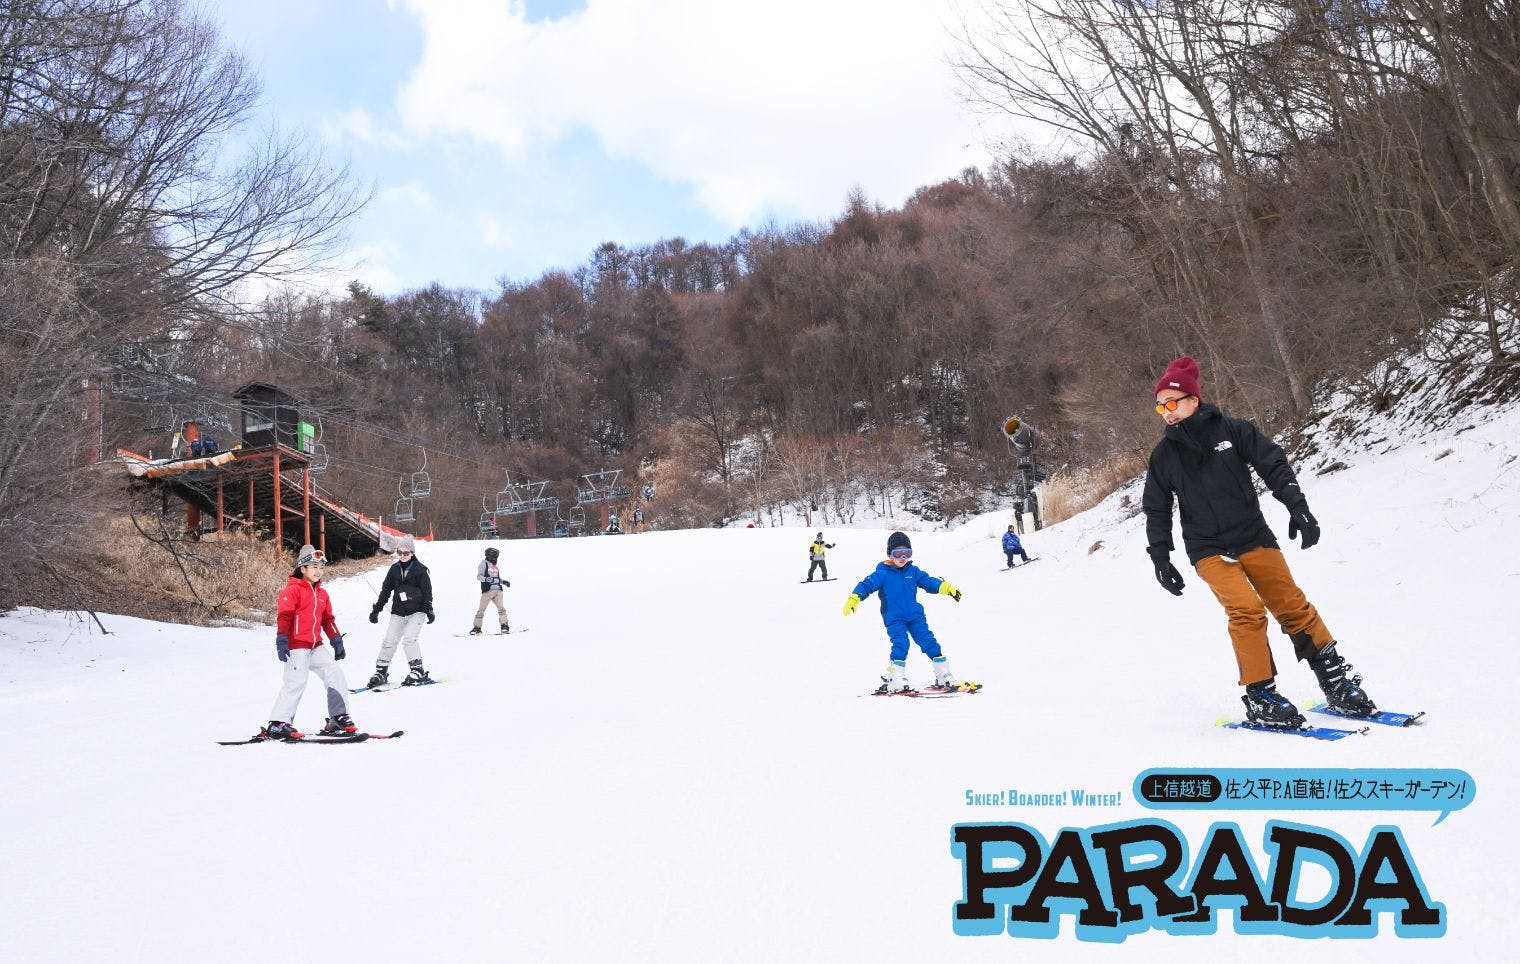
[816, 559]
[1012, 547]
[1204, 463]
[488, 574]
[898, 581]
[409, 582]
[304, 613]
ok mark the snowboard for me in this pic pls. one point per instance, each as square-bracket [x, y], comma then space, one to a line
[830, 579]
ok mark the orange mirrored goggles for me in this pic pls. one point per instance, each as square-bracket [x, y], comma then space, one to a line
[1170, 405]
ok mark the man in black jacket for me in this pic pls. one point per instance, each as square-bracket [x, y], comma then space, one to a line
[1203, 463]
[409, 583]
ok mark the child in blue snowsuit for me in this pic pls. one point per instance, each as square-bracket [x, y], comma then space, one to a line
[898, 581]
[1012, 547]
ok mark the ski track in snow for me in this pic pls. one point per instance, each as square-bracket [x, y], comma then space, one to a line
[675, 762]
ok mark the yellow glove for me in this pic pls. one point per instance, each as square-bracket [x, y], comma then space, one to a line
[850, 604]
[945, 589]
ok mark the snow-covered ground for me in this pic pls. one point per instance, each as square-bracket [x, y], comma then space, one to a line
[675, 763]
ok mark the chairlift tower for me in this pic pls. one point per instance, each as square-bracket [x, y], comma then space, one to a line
[525, 499]
[601, 490]
[1022, 440]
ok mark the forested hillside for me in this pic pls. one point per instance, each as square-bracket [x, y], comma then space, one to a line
[1290, 191]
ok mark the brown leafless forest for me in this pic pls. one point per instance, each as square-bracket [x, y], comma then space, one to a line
[1290, 190]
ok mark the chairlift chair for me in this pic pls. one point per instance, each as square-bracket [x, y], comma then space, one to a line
[422, 484]
[404, 511]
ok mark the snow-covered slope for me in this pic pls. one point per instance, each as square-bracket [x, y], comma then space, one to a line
[674, 763]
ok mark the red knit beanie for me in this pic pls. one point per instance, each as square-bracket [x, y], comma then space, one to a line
[1181, 374]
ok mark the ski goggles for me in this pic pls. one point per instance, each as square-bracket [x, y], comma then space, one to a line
[403, 552]
[901, 553]
[318, 558]
[1170, 405]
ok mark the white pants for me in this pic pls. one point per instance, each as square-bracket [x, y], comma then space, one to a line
[319, 661]
[486, 599]
[403, 630]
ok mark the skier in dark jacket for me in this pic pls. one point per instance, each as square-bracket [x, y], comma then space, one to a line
[409, 587]
[1203, 463]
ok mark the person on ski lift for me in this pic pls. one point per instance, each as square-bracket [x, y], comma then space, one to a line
[1203, 463]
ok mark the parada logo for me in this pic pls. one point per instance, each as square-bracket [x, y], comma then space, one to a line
[1125, 878]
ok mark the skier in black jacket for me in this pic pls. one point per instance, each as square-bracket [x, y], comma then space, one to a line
[410, 589]
[1203, 463]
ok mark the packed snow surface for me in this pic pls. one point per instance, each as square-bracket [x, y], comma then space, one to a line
[676, 762]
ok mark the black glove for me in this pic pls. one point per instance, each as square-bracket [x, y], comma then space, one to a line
[282, 647]
[337, 645]
[430, 617]
[374, 615]
[1300, 519]
[1166, 573]
[507, 583]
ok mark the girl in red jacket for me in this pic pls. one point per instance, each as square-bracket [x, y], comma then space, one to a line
[305, 613]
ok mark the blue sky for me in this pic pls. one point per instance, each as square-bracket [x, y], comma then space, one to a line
[504, 138]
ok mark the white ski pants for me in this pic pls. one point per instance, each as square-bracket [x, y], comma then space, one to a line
[302, 661]
[486, 599]
[403, 630]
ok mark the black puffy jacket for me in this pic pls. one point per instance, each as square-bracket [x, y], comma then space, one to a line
[1205, 463]
[412, 585]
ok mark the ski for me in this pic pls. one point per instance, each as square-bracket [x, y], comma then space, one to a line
[1312, 732]
[306, 738]
[933, 692]
[385, 736]
[387, 687]
[940, 692]
[510, 632]
[1385, 717]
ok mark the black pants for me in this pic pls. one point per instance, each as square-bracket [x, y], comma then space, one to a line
[818, 564]
[1011, 552]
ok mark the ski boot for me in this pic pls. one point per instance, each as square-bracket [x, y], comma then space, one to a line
[1342, 688]
[381, 677]
[340, 725]
[944, 680]
[276, 730]
[505, 629]
[896, 681]
[475, 631]
[418, 676]
[1268, 708]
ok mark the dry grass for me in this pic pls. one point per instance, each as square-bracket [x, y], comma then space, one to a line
[1064, 494]
[229, 578]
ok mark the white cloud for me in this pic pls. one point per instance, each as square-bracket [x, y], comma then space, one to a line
[411, 194]
[358, 124]
[779, 106]
[493, 232]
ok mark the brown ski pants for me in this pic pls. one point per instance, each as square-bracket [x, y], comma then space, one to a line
[1250, 586]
